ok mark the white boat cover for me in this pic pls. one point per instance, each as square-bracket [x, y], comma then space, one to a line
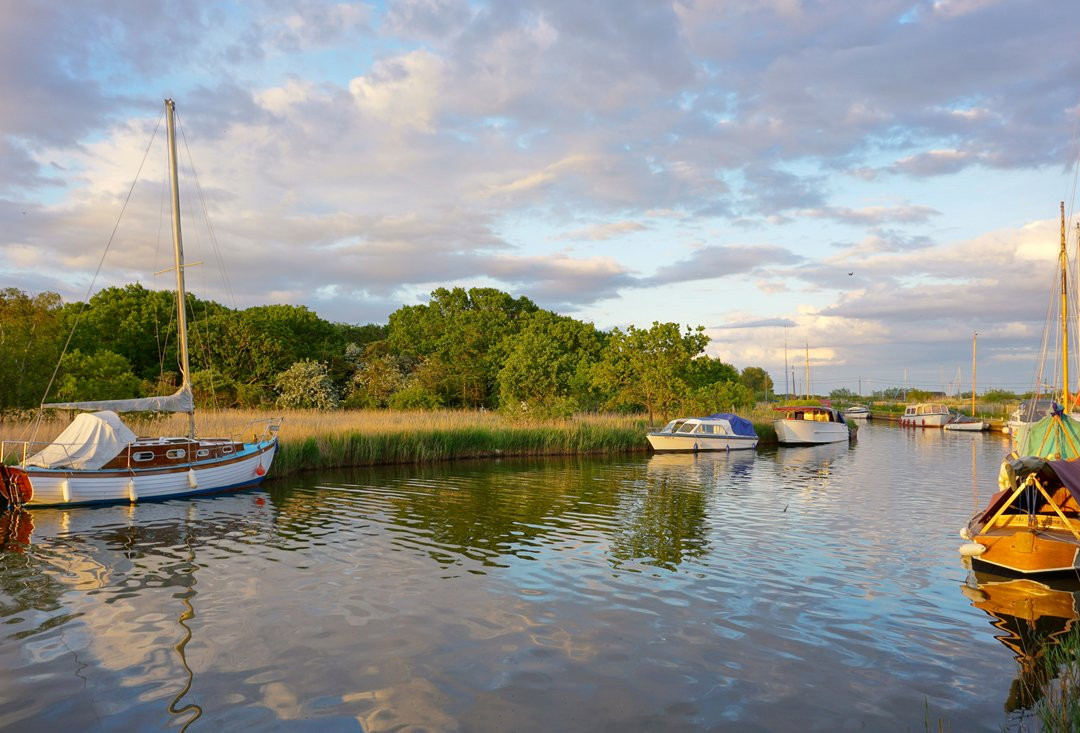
[179, 401]
[89, 442]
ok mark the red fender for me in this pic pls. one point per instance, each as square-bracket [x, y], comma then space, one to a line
[15, 485]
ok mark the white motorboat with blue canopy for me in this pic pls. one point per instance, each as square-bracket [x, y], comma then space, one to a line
[721, 431]
[97, 458]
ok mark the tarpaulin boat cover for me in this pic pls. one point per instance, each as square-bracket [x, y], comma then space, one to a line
[739, 425]
[89, 442]
[1056, 436]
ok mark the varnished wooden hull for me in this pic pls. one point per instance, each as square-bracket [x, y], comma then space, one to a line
[1026, 552]
[64, 487]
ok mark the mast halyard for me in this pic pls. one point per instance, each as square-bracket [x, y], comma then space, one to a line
[178, 254]
[1064, 266]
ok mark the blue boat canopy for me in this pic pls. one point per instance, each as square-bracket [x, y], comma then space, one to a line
[740, 425]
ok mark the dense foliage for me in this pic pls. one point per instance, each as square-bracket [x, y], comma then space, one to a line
[476, 348]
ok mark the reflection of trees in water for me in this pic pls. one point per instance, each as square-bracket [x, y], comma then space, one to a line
[492, 510]
[1035, 618]
[665, 525]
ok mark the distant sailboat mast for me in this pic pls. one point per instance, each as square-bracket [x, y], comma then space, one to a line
[974, 335]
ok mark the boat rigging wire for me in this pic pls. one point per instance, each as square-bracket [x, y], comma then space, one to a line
[93, 281]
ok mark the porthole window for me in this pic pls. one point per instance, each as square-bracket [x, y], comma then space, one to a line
[143, 455]
[202, 453]
[175, 453]
[227, 449]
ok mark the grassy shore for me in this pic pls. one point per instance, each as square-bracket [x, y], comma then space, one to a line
[312, 439]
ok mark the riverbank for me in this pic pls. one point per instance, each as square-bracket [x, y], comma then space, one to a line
[313, 439]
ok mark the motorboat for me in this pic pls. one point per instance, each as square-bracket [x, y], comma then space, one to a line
[857, 412]
[811, 424]
[965, 423]
[925, 415]
[721, 431]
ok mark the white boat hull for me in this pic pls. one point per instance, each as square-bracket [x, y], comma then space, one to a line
[974, 427]
[668, 442]
[64, 487]
[924, 421]
[806, 432]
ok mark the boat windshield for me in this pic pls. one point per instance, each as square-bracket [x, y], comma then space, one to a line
[689, 427]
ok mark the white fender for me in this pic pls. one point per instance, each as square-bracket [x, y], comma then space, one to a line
[192, 480]
[133, 496]
[964, 534]
[972, 549]
[65, 491]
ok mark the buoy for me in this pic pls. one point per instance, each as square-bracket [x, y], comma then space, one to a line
[259, 470]
[65, 491]
[193, 482]
[972, 549]
[132, 495]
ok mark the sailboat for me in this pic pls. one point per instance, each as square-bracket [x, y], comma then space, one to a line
[1031, 527]
[963, 422]
[97, 458]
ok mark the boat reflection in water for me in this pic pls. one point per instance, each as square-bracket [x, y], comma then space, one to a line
[1034, 616]
[75, 554]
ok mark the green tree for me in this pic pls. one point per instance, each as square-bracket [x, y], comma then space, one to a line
[102, 375]
[306, 385]
[212, 389]
[546, 371]
[31, 338]
[727, 396]
[648, 367]
[457, 340]
[842, 393]
[756, 379]
[377, 377]
[705, 370]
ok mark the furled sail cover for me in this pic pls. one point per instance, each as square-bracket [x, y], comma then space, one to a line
[1056, 436]
[89, 442]
[739, 425]
[179, 401]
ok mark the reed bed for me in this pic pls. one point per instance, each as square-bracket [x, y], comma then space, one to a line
[312, 439]
[1059, 710]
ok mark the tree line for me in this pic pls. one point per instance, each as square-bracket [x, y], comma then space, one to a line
[475, 348]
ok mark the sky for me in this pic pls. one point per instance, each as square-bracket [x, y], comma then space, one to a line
[869, 183]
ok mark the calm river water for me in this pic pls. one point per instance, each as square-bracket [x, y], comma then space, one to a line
[796, 589]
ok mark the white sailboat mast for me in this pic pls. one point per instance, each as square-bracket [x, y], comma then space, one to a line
[178, 253]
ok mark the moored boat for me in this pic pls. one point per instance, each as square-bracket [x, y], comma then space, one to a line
[97, 458]
[717, 432]
[811, 424]
[965, 423]
[857, 412]
[1031, 527]
[925, 415]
